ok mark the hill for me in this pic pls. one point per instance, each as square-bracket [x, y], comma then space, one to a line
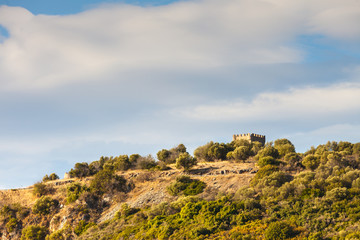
[271, 192]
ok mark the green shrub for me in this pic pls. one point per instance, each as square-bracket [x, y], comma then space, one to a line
[52, 177]
[337, 194]
[311, 161]
[147, 162]
[268, 151]
[284, 146]
[34, 232]
[241, 153]
[263, 172]
[58, 235]
[133, 159]
[278, 230]
[82, 227]
[12, 224]
[106, 181]
[126, 211]
[41, 189]
[170, 156]
[267, 161]
[122, 163]
[186, 186]
[44, 205]
[185, 161]
[217, 151]
[194, 188]
[74, 191]
[275, 179]
[80, 170]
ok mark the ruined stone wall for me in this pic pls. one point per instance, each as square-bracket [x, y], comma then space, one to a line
[251, 137]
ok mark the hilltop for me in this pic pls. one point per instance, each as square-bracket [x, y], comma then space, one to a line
[239, 190]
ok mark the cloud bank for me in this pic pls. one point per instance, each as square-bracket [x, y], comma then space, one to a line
[47, 51]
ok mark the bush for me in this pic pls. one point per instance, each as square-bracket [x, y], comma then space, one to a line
[267, 161]
[106, 181]
[53, 177]
[133, 159]
[217, 151]
[12, 224]
[311, 161]
[126, 211]
[41, 189]
[58, 235]
[276, 179]
[241, 153]
[278, 230]
[337, 194]
[263, 172]
[122, 163]
[268, 151]
[202, 152]
[147, 162]
[82, 227]
[34, 232]
[194, 188]
[74, 191]
[80, 170]
[163, 155]
[44, 205]
[356, 148]
[185, 161]
[284, 146]
[186, 186]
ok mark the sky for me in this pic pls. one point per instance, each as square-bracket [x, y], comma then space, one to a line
[85, 79]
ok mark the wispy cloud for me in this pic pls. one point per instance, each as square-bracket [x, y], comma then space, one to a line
[305, 103]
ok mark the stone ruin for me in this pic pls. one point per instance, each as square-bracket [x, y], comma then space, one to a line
[251, 137]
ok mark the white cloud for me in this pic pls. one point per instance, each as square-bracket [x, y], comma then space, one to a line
[338, 19]
[46, 51]
[305, 103]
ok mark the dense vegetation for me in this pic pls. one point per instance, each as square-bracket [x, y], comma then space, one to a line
[311, 195]
[315, 195]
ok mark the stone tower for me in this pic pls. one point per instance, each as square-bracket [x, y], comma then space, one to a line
[251, 137]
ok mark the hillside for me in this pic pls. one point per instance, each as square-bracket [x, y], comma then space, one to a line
[273, 193]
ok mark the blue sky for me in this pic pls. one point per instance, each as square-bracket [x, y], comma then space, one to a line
[82, 79]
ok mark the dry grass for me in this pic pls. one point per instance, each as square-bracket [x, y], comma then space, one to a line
[150, 186]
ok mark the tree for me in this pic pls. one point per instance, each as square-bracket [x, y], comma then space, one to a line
[146, 162]
[217, 151]
[80, 170]
[163, 155]
[122, 162]
[53, 177]
[241, 153]
[267, 161]
[268, 151]
[133, 159]
[180, 148]
[284, 146]
[170, 156]
[185, 161]
[106, 181]
[41, 189]
[311, 161]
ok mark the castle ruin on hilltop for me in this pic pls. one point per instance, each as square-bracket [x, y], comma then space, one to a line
[251, 137]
